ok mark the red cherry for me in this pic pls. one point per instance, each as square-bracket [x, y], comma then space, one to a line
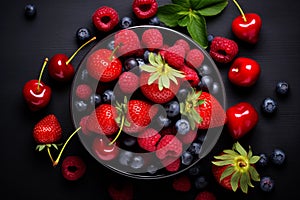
[244, 72]
[36, 93]
[241, 118]
[247, 26]
[104, 149]
[60, 67]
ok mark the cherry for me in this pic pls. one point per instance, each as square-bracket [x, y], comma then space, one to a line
[244, 72]
[36, 93]
[247, 26]
[104, 149]
[60, 67]
[241, 118]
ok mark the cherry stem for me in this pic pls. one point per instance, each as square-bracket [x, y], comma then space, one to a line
[120, 130]
[65, 144]
[113, 52]
[74, 54]
[240, 9]
[41, 73]
[49, 153]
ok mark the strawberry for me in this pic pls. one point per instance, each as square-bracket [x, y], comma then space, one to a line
[158, 81]
[103, 65]
[152, 39]
[182, 183]
[148, 139]
[203, 110]
[127, 42]
[205, 195]
[235, 168]
[194, 58]
[190, 75]
[169, 146]
[102, 120]
[174, 56]
[47, 131]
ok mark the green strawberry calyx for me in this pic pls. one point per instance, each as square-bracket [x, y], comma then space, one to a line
[240, 167]
[161, 71]
[187, 108]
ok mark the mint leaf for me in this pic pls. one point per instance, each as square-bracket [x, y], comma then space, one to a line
[203, 4]
[213, 9]
[168, 14]
[183, 3]
[197, 30]
[184, 21]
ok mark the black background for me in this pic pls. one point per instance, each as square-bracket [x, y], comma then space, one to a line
[28, 174]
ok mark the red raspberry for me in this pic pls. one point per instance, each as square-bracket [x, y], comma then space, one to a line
[169, 145]
[82, 124]
[171, 164]
[205, 195]
[194, 58]
[223, 50]
[182, 183]
[144, 9]
[73, 168]
[128, 82]
[187, 138]
[148, 139]
[152, 39]
[174, 56]
[105, 18]
[127, 42]
[83, 91]
[183, 43]
[120, 190]
[190, 75]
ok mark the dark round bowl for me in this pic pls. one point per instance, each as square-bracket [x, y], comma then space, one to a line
[125, 155]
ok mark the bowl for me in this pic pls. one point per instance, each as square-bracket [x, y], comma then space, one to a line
[125, 124]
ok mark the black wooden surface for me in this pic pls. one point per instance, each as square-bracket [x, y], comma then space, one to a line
[28, 174]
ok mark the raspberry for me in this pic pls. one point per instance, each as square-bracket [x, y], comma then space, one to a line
[83, 91]
[73, 168]
[82, 124]
[183, 43]
[187, 138]
[152, 39]
[120, 190]
[148, 139]
[174, 56]
[205, 195]
[181, 183]
[194, 58]
[144, 9]
[127, 42]
[190, 75]
[169, 145]
[105, 18]
[223, 50]
[128, 82]
[171, 164]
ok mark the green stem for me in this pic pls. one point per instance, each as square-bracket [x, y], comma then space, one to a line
[240, 9]
[65, 144]
[49, 153]
[120, 130]
[41, 73]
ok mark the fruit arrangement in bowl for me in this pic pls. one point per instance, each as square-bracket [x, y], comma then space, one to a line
[149, 102]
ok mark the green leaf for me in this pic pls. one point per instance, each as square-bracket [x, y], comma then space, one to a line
[227, 172]
[224, 157]
[153, 78]
[231, 152]
[253, 173]
[148, 68]
[197, 30]
[183, 3]
[223, 162]
[168, 14]
[215, 8]
[254, 159]
[240, 149]
[234, 181]
[184, 21]
[244, 182]
[203, 4]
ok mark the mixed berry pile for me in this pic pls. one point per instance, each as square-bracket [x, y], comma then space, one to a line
[146, 99]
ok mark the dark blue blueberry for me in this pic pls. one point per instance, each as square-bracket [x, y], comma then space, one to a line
[266, 184]
[282, 88]
[30, 10]
[95, 99]
[111, 45]
[80, 106]
[126, 22]
[108, 96]
[182, 126]
[201, 137]
[84, 76]
[269, 105]
[186, 158]
[146, 56]
[205, 70]
[83, 34]
[182, 94]
[172, 109]
[163, 121]
[195, 148]
[140, 61]
[215, 88]
[194, 170]
[130, 64]
[206, 83]
[278, 156]
[210, 37]
[154, 21]
[263, 160]
[200, 182]
[129, 141]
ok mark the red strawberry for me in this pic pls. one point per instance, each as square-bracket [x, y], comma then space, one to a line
[128, 82]
[235, 162]
[103, 66]
[182, 183]
[194, 58]
[105, 18]
[205, 195]
[148, 139]
[169, 146]
[120, 190]
[152, 39]
[190, 75]
[144, 9]
[159, 82]
[47, 131]
[102, 120]
[127, 42]
[174, 56]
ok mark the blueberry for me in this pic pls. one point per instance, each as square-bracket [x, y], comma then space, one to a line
[200, 182]
[130, 64]
[186, 158]
[84, 76]
[269, 105]
[215, 88]
[163, 121]
[95, 99]
[194, 171]
[80, 106]
[154, 21]
[182, 94]
[129, 141]
[111, 45]
[266, 184]
[210, 37]
[201, 137]
[140, 61]
[263, 160]
[278, 156]
[182, 126]
[172, 109]
[282, 88]
[146, 56]
[195, 148]
[126, 22]
[30, 10]
[206, 83]
[137, 162]
[83, 35]
[108, 96]
[205, 70]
